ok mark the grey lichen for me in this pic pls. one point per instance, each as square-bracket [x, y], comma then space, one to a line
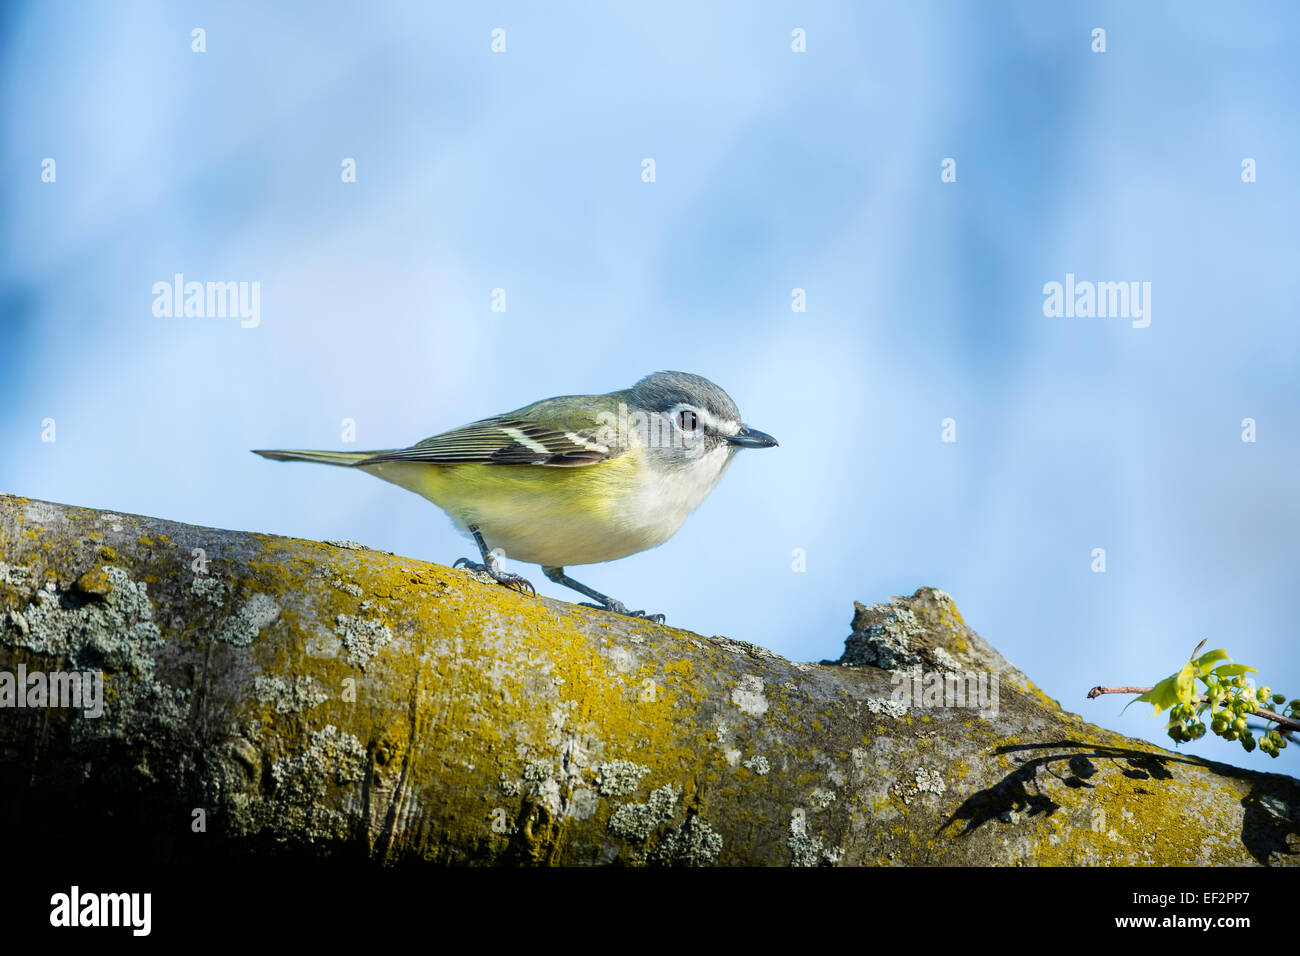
[538, 784]
[300, 804]
[289, 698]
[548, 796]
[618, 778]
[18, 622]
[114, 627]
[209, 587]
[331, 754]
[105, 622]
[536, 771]
[929, 781]
[694, 843]
[256, 614]
[821, 798]
[363, 637]
[759, 765]
[808, 850]
[923, 781]
[945, 660]
[882, 636]
[347, 587]
[636, 821]
[346, 544]
[13, 575]
[886, 706]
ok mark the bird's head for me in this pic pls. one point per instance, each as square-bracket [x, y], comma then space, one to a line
[692, 423]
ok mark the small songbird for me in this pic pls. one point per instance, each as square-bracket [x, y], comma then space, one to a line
[575, 479]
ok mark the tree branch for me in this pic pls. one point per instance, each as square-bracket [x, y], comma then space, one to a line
[266, 696]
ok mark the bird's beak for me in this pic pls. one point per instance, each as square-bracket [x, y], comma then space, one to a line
[751, 438]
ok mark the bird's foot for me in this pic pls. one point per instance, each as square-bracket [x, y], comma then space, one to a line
[515, 582]
[618, 607]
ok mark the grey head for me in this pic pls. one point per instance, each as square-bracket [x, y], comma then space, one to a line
[698, 416]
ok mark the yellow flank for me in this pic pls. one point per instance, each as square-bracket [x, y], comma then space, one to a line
[543, 514]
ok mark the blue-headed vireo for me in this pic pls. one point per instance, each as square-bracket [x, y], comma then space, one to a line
[576, 479]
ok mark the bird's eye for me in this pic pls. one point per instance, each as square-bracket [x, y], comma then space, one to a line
[687, 420]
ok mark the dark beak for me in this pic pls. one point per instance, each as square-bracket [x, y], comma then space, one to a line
[752, 438]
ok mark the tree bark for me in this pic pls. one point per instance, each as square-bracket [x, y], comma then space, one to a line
[272, 697]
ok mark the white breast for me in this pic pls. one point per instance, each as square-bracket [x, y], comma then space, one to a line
[665, 497]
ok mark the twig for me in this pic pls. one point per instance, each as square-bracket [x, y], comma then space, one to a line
[1098, 691]
[1287, 724]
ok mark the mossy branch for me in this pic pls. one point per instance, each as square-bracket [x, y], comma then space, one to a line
[266, 696]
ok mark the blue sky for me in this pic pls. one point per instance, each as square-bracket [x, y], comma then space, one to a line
[775, 170]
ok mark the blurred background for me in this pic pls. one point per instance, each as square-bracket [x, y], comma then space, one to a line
[522, 171]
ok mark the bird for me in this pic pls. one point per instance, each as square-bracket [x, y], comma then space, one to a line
[573, 479]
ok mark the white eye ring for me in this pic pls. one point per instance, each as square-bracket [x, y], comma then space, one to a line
[687, 421]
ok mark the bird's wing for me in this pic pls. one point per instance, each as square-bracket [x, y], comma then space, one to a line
[535, 435]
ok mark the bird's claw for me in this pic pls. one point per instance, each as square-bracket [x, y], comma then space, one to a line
[516, 582]
[618, 607]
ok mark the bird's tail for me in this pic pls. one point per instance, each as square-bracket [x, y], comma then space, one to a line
[346, 458]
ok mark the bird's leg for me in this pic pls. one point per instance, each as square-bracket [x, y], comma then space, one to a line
[606, 603]
[492, 567]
